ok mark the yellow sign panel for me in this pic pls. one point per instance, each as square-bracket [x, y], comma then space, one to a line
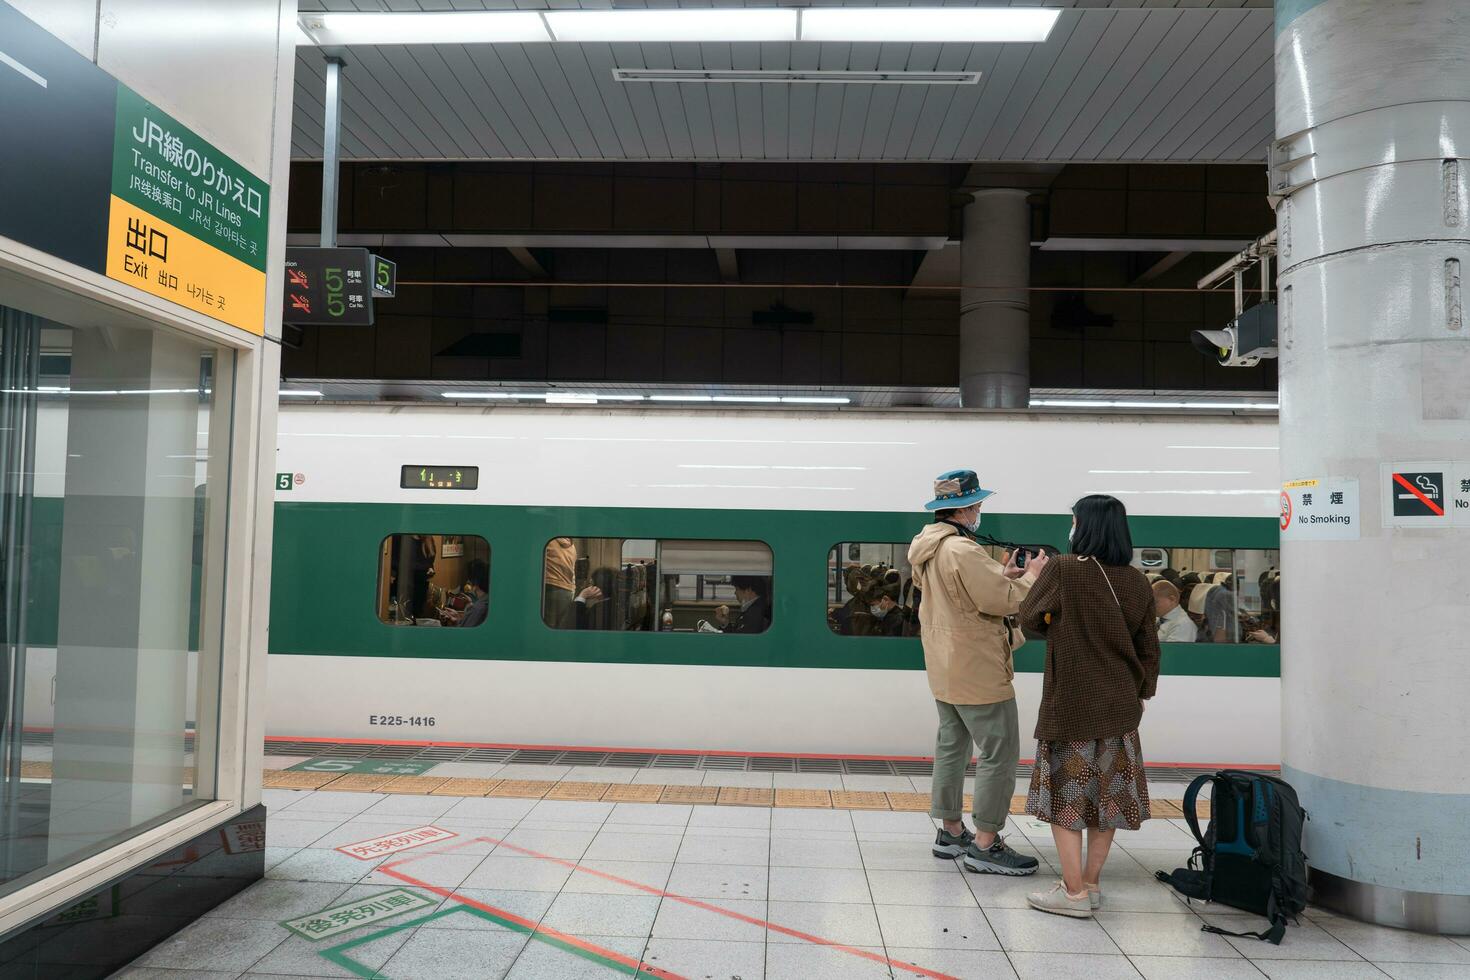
[1298, 484]
[161, 259]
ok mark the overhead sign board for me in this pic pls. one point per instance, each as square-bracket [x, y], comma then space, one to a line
[98, 176]
[331, 286]
[385, 278]
[1320, 510]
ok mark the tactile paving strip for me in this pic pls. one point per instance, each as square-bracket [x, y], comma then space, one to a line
[815, 798]
[690, 794]
[569, 790]
[277, 779]
[631, 793]
[645, 793]
[526, 789]
[412, 784]
[641, 760]
[465, 787]
[359, 783]
[746, 796]
[845, 799]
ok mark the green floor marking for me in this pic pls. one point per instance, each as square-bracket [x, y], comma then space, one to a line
[383, 767]
[338, 954]
[338, 919]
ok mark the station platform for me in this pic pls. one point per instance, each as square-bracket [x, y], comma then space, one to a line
[431, 885]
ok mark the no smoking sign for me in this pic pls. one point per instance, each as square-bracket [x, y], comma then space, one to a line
[1432, 494]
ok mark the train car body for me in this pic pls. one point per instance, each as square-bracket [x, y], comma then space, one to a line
[672, 486]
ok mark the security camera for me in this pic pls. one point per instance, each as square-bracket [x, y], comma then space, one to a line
[1248, 338]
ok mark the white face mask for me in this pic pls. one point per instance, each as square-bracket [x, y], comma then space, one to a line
[975, 524]
[877, 611]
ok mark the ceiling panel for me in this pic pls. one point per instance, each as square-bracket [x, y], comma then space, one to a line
[1126, 80]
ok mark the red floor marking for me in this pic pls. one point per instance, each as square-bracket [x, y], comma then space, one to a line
[428, 743]
[636, 965]
[695, 903]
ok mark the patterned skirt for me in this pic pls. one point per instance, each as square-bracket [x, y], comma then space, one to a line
[1098, 783]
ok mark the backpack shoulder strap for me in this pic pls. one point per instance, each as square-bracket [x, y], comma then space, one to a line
[1191, 802]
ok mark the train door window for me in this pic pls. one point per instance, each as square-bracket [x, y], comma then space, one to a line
[647, 585]
[870, 590]
[1230, 595]
[433, 580]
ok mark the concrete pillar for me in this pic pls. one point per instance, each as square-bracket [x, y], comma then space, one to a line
[127, 543]
[995, 306]
[1373, 123]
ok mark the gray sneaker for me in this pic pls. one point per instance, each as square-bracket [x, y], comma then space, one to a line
[999, 859]
[948, 845]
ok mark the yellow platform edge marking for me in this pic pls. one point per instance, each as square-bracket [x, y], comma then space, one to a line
[529, 789]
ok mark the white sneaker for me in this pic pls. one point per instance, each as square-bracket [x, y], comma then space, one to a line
[1058, 902]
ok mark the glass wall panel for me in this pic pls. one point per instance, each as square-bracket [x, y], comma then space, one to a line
[633, 584]
[114, 455]
[433, 580]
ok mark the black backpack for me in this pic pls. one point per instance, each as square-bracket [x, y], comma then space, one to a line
[1250, 856]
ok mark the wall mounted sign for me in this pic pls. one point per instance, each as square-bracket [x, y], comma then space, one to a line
[1320, 510]
[1419, 494]
[98, 176]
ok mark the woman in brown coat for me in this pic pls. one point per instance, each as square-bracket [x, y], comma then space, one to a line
[1102, 663]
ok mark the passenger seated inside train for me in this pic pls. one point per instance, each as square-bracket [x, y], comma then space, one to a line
[754, 614]
[423, 579]
[876, 603]
[477, 586]
[1175, 625]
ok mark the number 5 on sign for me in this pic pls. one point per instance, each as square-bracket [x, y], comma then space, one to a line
[284, 481]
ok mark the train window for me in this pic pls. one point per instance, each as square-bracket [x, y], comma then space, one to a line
[870, 590]
[667, 585]
[433, 580]
[1225, 595]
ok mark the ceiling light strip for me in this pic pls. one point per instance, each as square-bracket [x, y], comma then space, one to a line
[975, 25]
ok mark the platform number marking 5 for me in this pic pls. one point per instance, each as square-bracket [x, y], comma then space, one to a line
[289, 481]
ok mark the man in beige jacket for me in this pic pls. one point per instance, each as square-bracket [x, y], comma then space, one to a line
[966, 598]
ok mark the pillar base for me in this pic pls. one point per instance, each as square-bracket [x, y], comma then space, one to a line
[1385, 906]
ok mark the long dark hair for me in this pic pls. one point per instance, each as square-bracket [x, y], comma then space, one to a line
[1102, 530]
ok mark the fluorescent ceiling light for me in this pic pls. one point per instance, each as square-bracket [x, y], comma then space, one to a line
[796, 76]
[741, 24]
[570, 398]
[620, 398]
[909, 24]
[463, 27]
[477, 394]
[747, 398]
[300, 393]
[814, 400]
[680, 398]
[1080, 403]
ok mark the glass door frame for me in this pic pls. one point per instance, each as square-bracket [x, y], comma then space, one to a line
[235, 600]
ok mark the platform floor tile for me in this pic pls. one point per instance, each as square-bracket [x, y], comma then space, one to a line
[572, 888]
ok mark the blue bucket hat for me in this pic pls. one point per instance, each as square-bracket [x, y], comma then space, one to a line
[957, 489]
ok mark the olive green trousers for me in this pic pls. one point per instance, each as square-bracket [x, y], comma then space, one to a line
[993, 729]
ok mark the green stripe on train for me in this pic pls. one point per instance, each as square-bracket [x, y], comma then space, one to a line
[324, 584]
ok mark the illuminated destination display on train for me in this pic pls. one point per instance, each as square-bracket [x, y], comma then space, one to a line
[439, 477]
